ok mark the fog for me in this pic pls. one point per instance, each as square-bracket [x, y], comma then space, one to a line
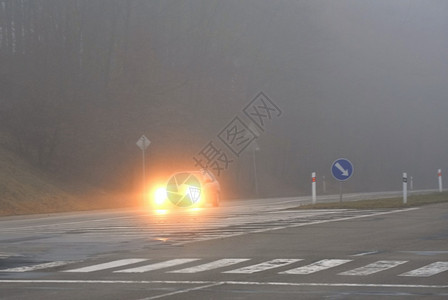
[81, 81]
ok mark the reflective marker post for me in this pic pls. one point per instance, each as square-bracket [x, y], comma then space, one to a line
[439, 173]
[313, 186]
[405, 188]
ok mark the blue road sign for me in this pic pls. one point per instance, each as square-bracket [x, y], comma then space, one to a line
[342, 169]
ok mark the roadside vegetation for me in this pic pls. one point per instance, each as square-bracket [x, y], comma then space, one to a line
[412, 201]
[24, 189]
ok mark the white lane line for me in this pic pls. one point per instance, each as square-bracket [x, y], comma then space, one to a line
[5, 255]
[317, 266]
[157, 266]
[295, 225]
[32, 227]
[429, 270]
[109, 265]
[365, 253]
[259, 283]
[275, 263]
[375, 267]
[184, 291]
[212, 265]
[38, 267]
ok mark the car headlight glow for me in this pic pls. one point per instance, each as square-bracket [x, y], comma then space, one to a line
[160, 196]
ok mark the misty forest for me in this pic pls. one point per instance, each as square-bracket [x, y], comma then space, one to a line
[82, 80]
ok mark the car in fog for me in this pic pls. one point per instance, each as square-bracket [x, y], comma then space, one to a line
[189, 189]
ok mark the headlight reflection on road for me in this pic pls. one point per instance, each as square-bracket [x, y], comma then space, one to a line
[195, 209]
[161, 211]
[164, 240]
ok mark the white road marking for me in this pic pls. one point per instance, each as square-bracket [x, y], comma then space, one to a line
[275, 263]
[184, 291]
[38, 267]
[375, 267]
[189, 241]
[4, 255]
[157, 266]
[317, 266]
[426, 253]
[33, 227]
[365, 253]
[429, 270]
[259, 283]
[109, 265]
[212, 265]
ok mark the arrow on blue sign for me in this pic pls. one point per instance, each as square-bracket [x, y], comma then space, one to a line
[342, 169]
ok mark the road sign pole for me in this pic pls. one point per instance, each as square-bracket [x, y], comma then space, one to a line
[324, 185]
[439, 173]
[342, 170]
[255, 172]
[313, 186]
[405, 188]
[143, 144]
[144, 173]
[340, 192]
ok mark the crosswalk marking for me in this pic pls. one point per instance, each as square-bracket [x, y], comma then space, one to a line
[429, 270]
[372, 268]
[158, 266]
[38, 266]
[317, 266]
[375, 267]
[109, 265]
[212, 265]
[275, 263]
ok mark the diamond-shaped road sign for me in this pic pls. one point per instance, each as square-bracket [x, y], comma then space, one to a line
[143, 142]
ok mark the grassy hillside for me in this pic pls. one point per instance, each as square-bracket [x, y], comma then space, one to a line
[26, 190]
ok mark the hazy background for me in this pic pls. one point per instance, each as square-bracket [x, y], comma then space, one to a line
[82, 80]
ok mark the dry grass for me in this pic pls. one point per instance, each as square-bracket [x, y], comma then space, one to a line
[26, 190]
[416, 200]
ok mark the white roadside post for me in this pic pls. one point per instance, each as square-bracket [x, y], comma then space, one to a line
[439, 173]
[143, 144]
[405, 188]
[313, 186]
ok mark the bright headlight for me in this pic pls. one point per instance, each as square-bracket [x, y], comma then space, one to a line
[160, 196]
